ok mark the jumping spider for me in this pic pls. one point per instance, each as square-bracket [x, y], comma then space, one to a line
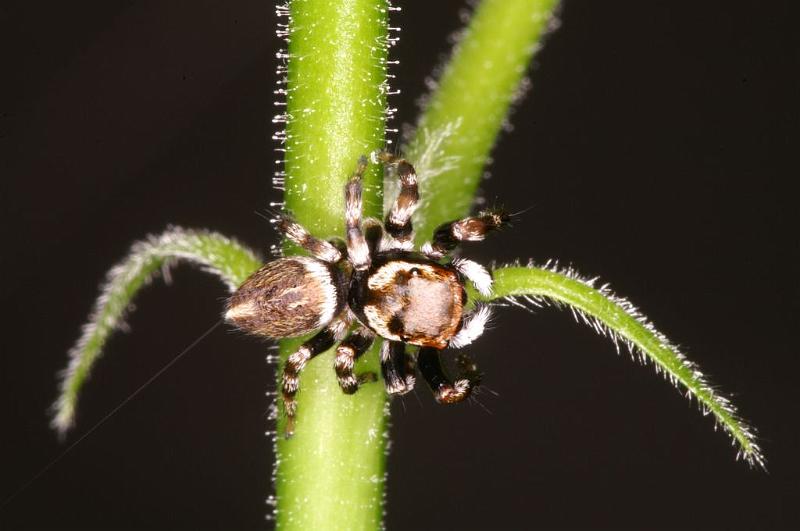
[379, 282]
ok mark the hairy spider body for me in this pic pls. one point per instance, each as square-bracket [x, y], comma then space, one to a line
[377, 281]
[289, 297]
[409, 298]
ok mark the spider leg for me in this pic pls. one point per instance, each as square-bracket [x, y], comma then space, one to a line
[325, 251]
[339, 244]
[472, 327]
[469, 369]
[347, 353]
[357, 248]
[397, 368]
[411, 369]
[475, 273]
[290, 381]
[373, 232]
[398, 220]
[472, 229]
[445, 390]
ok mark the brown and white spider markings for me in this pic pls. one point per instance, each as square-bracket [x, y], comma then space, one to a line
[379, 282]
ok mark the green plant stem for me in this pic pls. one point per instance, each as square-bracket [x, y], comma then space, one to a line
[466, 112]
[213, 252]
[330, 474]
[616, 317]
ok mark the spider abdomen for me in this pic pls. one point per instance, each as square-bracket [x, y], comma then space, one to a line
[287, 297]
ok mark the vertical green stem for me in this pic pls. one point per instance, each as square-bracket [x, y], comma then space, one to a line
[468, 109]
[330, 474]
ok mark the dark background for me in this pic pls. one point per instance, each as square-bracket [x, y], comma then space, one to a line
[656, 149]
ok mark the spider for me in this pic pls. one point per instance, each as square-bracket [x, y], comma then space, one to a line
[378, 281]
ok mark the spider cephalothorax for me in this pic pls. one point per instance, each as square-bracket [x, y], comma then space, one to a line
[378, 281]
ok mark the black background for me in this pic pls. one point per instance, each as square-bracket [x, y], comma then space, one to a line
[657, 149]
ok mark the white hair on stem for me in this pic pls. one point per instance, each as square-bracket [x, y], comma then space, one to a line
[212, 252]
[662, 352]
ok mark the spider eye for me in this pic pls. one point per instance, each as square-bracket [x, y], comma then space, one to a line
[414, 271]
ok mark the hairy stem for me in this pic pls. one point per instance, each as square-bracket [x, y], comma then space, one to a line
[618, 319]
[213, 252]
[330, 474]
[466, 112]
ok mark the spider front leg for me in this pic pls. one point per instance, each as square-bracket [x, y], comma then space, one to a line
[357, 247]
[398, 220]
[444, 389]
[347, 353]
[397, 368]
[472, 229]
[373, 233]
[290, 381]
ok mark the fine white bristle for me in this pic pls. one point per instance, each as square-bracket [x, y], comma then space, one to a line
[474, 326]
[696, 386]
[475, 273]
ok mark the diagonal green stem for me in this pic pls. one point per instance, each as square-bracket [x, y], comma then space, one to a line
[213, 252]
[465, 114]
[330, 474]
[620, 320]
